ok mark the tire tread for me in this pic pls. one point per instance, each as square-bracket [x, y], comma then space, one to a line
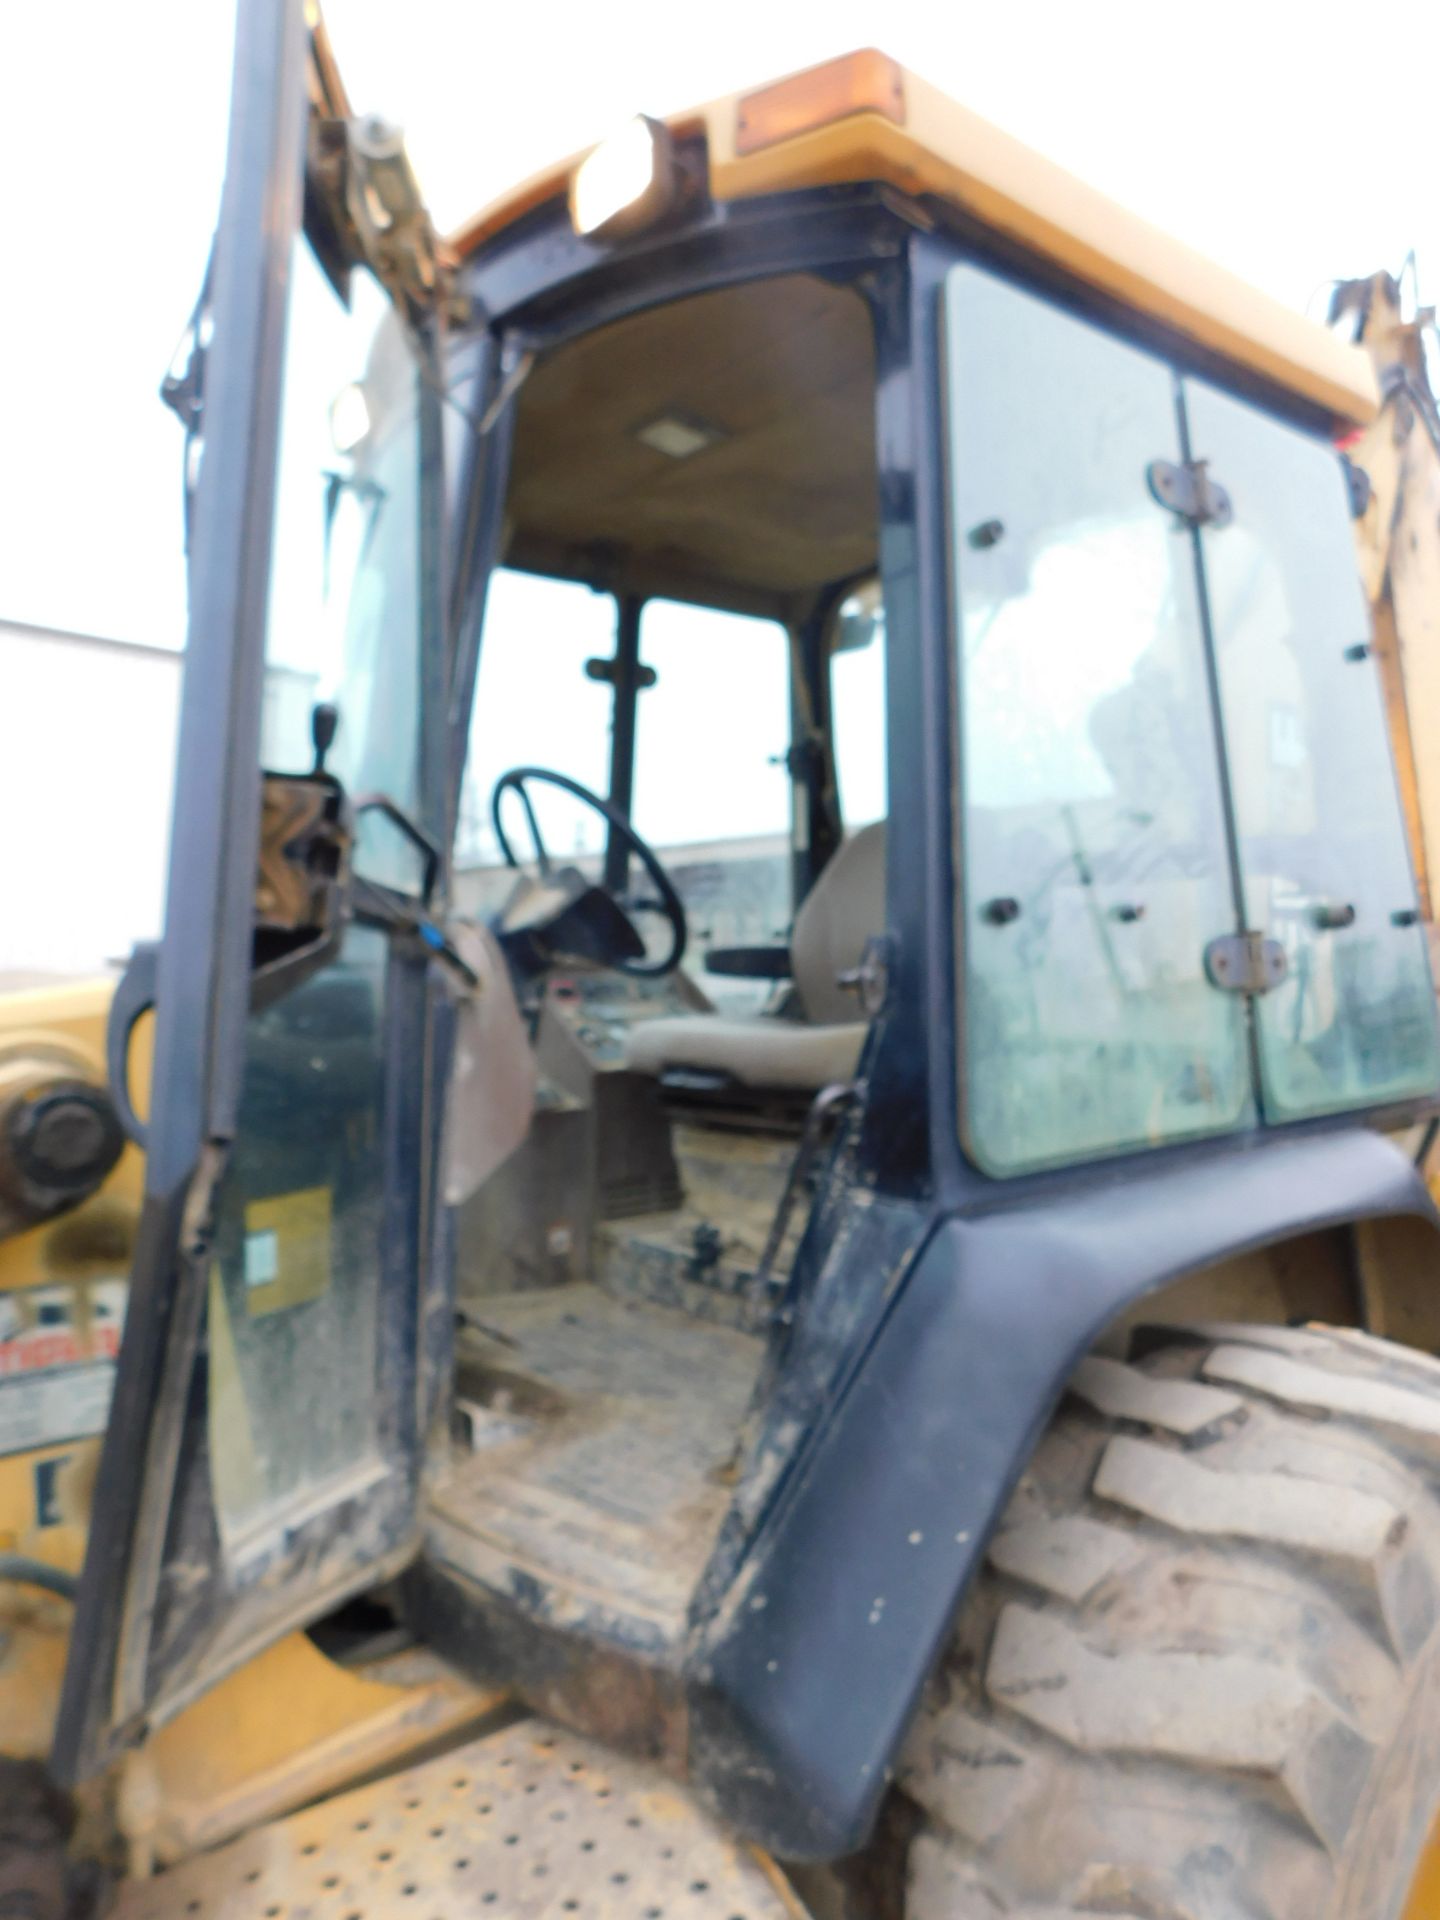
[1177, 1677]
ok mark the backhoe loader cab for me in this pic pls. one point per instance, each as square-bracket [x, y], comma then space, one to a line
[849, 838]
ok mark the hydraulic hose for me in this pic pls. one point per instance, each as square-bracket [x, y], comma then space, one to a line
[20, 1569]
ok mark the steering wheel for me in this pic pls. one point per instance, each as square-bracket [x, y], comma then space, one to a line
[669, 901]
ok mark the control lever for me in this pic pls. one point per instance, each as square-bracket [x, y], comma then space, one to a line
[324, 720]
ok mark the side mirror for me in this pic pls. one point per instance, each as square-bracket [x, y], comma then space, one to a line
[409, 864]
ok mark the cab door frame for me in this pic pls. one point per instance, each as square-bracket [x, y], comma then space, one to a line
[204, 961]
[155, 1503]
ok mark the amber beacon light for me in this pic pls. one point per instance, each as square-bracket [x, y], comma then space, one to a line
[865, 82]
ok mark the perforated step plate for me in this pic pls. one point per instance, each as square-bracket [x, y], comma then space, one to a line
[527, 1824]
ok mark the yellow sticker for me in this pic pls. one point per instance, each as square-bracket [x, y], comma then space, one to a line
[287, 1250]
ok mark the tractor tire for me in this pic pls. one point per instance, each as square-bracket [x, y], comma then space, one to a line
[1199, 1676]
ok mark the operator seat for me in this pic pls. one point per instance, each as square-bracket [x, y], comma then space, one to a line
[844, 908]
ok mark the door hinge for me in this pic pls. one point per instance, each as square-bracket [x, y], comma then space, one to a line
[1187, 490]
[1357, 486]
[1245, 963]
[363, 207]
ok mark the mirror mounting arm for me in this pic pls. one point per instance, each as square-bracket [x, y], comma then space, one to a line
[363, 208]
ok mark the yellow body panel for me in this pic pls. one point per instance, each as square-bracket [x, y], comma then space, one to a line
[34, 1639]
[93, 1243]
[95, 1238]
[1400, 565]
[58, 1539]
[942, 149]
[287, 1728]
[1424, 1900]
[72, 1253]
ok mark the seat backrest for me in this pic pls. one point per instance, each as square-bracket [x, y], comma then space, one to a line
[844, 908]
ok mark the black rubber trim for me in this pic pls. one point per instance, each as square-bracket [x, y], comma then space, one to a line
[807, 1680]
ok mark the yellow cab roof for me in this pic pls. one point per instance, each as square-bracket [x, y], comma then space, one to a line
[866, 118]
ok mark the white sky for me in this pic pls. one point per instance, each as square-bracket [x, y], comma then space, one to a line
[1293, 142]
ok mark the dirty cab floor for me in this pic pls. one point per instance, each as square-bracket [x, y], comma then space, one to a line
[526, 1824]
[596, 1438]
[703, 1255]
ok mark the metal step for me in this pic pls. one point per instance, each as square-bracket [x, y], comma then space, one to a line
[530, 1823]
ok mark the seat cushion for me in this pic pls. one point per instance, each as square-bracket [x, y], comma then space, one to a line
[757, 1053]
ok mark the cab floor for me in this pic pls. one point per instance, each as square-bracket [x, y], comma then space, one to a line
[525, 1824]
[600, 1436]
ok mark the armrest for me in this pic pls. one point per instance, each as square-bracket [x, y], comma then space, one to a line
[750, 963]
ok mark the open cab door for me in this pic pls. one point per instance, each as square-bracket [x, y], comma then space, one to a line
[262, 1459]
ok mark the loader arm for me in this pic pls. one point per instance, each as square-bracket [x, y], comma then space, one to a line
[1398, 538]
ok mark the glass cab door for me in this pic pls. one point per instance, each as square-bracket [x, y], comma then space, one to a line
[1095, 863]
[1171, 732]
[262, 1459]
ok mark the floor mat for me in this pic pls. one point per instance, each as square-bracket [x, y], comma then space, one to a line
[601, 1470]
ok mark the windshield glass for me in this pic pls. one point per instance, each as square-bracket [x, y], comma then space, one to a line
[536, 705]
[712, 792]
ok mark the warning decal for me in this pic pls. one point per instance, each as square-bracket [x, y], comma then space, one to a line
[58, 1347]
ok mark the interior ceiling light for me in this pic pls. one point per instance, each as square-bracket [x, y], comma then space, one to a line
[679, 435]
[626, 184]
